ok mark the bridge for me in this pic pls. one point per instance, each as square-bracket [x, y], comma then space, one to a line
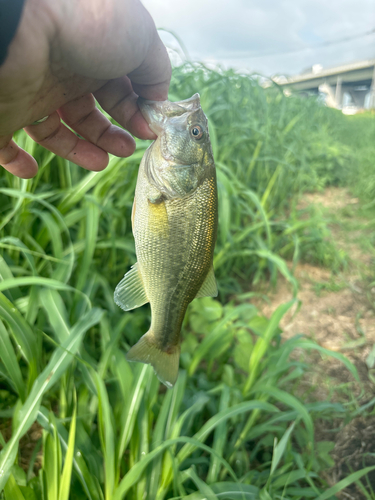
[347, 87]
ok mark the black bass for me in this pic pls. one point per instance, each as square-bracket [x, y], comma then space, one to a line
[174, 221]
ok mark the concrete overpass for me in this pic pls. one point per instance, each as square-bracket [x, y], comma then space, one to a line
[350, 85]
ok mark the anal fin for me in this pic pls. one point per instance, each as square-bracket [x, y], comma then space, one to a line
[209, 287]
[130, 292]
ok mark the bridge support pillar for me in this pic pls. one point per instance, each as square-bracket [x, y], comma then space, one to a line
[372, 91]
[358, 97]
[338, 94]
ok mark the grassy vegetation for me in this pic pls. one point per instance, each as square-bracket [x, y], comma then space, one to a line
[236, 424]
[358, 133]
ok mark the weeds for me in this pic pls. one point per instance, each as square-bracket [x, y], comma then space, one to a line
[234, 426]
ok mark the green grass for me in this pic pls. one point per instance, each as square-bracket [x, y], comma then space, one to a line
[358, 133]
[268, 150]
[329, 286]
[235, 425]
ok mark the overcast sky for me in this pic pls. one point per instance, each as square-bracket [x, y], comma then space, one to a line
[257, 35]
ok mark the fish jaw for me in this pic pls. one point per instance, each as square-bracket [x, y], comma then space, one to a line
[156, 113]
[153, 114]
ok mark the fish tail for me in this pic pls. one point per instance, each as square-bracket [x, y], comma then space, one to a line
[165, 363]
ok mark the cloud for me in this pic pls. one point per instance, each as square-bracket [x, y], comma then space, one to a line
[258, 35]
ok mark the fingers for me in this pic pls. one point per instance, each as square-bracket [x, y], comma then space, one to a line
[56, 137]
[133, 48]
[150, 80]
[85, 118]
[118, 100]
[16, 160]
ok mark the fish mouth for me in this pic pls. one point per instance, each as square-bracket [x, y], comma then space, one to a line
[156, 113]
[152, 112]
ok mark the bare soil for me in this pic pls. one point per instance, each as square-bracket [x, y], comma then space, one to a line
[338, 312]
[341, 320]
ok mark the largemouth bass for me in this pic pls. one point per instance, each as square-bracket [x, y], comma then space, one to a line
[174, 221]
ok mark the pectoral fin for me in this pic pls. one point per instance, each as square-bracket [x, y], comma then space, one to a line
[130, 292]
[209, 287]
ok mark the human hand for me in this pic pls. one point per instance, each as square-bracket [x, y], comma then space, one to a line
[63, 55]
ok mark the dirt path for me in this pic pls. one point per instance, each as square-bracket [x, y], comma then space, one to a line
[338, 312]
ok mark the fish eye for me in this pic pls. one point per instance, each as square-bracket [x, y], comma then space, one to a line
[196, 131]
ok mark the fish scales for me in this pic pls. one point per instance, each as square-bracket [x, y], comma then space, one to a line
[174, 266]
[175, 227]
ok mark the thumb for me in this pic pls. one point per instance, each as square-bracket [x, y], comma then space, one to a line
[152, 78]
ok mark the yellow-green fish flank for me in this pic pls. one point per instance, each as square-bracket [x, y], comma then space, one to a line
[174, 223]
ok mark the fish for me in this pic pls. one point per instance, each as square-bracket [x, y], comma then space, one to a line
[174, 223]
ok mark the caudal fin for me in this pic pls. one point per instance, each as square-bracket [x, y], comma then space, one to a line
[164, 363]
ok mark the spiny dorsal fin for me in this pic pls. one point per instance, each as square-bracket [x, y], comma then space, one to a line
[209, 287]
[130, 292]
[164, 363]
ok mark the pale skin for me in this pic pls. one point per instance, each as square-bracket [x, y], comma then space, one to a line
[65, 55]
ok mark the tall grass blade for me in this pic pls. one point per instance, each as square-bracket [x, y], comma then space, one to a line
[9, 358]
[22, 333]
[279, 449]
[220, 438]
[64, 493]
[89, 485]
[91, 234]
[56, 312]
[201, 485]
[52, 459]
[107, 437]
[57, 365]
[133, 476]
[352, 478]
[229, 491]
[220, 417]
[12, 490]
[132, 406]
